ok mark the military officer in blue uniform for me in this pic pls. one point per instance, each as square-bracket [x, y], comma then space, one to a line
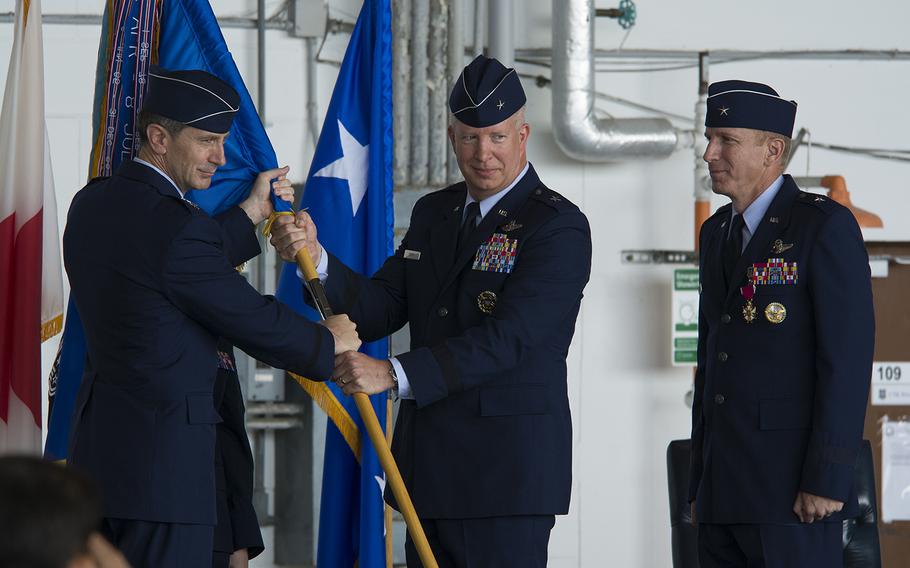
[153, 278]
[490, 277]
[785, 347]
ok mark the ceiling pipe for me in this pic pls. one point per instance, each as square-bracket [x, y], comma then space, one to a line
[578, 133]
[500, 31]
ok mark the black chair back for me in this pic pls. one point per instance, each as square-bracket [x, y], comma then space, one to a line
[861, 546]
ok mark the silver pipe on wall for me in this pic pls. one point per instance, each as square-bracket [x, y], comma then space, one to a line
[455, 63]
[401, 90]
[437, 84]
[480, 9]
[420, 26]
[578, 133]
[312, 96]
[260, 57]
[501, 31]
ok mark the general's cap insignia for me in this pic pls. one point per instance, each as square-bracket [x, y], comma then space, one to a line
[497, 254]
[724, 111]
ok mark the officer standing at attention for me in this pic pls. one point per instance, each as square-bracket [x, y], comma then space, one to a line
[490, 277]
[785, 345]
[153, 279]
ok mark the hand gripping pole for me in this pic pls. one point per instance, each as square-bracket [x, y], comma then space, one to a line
[368, 415]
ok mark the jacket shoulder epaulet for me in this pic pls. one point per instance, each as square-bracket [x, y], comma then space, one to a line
[818, 201]
[552, 199]
[722, 212]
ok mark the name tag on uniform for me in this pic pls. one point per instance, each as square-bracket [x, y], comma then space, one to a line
[497, 254]
[411, 254]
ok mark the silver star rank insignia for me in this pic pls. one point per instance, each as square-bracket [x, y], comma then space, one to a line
[500, 105]
[819, 198]
[724, 111]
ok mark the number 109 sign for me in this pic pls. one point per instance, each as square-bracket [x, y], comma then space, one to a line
[890, 383]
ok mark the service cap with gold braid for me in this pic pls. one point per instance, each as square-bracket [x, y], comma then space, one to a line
[192, 97]
[743, 104]
[486, 93]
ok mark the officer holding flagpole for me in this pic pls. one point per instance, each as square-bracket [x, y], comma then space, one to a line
[490, 277]
[153, 278]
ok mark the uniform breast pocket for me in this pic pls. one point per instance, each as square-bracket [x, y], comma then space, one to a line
[481, 292]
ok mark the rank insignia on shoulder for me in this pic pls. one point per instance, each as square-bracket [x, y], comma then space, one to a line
[497, 254]
[486, 301]
[225, 362]
[779, 246]
[510, 226]
[555, 198]
[774, 271]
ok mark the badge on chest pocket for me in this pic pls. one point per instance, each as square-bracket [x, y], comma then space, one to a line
[497, 254]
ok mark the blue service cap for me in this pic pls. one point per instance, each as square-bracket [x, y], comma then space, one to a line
[742, 104]
[192, 97]
[486, 93]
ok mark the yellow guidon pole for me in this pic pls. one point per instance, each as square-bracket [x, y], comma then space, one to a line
[314, 285]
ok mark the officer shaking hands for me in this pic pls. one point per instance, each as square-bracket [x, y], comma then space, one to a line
[490, 277]
[785, 346]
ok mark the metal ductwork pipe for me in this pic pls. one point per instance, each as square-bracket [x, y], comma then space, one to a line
[578, 133]
[500, 31]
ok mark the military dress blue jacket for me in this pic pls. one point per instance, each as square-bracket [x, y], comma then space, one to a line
[780, 402]
[153, 278]
[488, 432]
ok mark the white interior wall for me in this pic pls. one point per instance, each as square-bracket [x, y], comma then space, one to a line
[627, 400]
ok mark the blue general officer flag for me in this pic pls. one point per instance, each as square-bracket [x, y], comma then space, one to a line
[177, 34]
[349, 195]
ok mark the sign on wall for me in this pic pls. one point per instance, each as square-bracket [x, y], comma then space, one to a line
[890, 383]
[685, 317]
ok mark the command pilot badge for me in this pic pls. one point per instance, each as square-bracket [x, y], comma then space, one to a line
[510, 226]
[486, 301]
[779, 246]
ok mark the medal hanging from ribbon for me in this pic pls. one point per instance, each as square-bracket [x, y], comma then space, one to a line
[749, 310]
